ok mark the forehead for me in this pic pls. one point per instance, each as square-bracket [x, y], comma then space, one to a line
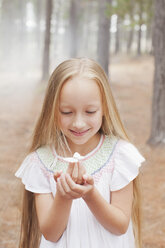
[80, 89]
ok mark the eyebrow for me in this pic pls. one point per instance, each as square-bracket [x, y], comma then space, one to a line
[88, 105]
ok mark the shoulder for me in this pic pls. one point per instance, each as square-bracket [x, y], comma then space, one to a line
[126, 163]
[34, 174]
[39, 160]
[126, 150]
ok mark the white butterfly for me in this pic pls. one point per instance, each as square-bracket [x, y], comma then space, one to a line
[76, 158]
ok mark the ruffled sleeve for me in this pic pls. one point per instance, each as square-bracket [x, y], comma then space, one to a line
[126, 161]
[33, 175]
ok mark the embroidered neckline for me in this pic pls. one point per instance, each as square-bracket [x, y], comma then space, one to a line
[96, 162]
[88, 155]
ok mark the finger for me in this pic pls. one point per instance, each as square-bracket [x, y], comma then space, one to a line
[79, 178]
[73, 186]
[70, 168]
[75, 172]
[59, 187]
[66, 187]
[81, 172]
[88, 179]
[82, 168]
[57, 174]
[64, 184]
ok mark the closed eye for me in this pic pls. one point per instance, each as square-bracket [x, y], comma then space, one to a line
[65, 113]
[90, 112]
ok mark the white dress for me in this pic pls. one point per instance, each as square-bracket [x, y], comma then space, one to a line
[113, 164]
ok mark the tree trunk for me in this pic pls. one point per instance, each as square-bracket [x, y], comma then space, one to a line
[46, 55]
[39, 4]
[89, 34]
[149, 39]
[57, 18]
[139, 41]
[140, 29]
[73, 20]
[8, 30]
[131, 31]
[130, 39]
[117, 38]
[158, 104]
[103, 41]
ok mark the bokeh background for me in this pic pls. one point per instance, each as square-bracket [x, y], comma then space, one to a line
[127, 37]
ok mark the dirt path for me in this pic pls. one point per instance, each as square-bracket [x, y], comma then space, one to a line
[133, 90]
[19, 105]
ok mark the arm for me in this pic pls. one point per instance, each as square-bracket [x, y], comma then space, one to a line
[53, 214]
[115, 216]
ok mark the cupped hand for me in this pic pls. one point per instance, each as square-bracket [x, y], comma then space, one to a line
[75, 170]
[67, 188]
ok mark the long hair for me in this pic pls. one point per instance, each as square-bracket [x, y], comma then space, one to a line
[47, 132]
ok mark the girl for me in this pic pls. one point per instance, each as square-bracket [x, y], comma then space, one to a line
[93, 202]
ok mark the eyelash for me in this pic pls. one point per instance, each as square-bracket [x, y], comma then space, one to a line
[66, 113]
[88, 112]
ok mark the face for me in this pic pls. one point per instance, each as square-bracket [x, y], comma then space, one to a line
[80, 112]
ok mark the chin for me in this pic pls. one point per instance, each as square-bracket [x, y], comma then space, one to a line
[79, 140]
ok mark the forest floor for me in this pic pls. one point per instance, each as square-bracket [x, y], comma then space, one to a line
[20, 102]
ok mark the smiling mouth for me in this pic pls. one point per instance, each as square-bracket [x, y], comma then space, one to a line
[79, 133]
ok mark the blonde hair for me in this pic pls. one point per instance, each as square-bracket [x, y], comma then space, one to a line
[47, 131]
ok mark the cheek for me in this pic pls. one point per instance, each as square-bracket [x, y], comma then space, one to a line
[97, 120]
[64, 121]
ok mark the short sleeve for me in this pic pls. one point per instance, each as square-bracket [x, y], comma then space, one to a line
[126, 162]
[33, 175]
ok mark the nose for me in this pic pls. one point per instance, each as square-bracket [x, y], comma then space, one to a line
[78, 122]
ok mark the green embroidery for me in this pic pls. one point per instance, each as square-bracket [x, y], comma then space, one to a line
[46, 156]
[92, 163]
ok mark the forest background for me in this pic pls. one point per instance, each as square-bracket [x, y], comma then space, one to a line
[127, 37]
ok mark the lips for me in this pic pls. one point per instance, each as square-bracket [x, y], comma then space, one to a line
[78, 133]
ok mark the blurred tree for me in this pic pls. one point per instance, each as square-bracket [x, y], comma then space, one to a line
[144, 13]
[149, 17]
[131, 26]
[103, 40]
[8, 28]
[46, 53]
[73, 25]
[38, 9]
[88, 16]
[133, 17]
[158, 105]
[124, 9]
[88, 23]
[58, 10]
[118, 35]
[140, 13]
[121, 9]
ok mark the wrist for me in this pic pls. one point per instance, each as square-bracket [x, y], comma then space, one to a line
[89, 195]
[62, 199]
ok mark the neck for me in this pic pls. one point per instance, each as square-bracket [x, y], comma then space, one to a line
[87, 147]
